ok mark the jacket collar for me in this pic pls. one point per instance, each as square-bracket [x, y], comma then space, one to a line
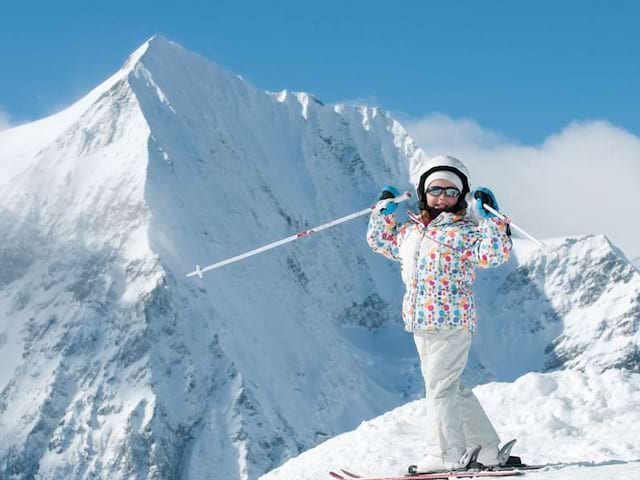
[445, 218]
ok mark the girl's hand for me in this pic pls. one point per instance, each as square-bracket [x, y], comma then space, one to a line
[483, 195]
[384, 205]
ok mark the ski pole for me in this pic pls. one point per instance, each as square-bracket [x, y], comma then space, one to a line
[305, 233]
[503, 217]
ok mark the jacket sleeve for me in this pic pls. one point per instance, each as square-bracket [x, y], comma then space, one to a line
[493, 245]
[383, 235]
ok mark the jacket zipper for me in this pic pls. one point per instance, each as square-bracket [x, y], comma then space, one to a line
[415, 281]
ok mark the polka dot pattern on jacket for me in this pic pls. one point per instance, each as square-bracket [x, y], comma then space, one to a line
[439, 262]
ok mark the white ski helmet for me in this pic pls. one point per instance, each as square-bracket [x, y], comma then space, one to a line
[441, 162]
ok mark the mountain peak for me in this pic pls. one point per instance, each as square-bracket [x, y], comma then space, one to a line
[157, 45]
[168, 70]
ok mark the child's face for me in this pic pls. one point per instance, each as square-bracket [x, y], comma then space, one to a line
[442, 201]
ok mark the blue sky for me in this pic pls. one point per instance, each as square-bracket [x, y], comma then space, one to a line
[524, 69]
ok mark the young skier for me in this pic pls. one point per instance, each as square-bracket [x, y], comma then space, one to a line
[439, 250]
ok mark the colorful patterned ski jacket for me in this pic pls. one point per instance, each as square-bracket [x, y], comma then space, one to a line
[438, 264]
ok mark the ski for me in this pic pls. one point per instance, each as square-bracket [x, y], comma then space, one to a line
[349, 474]
[346, 475]
[515, 466]
[509, 466]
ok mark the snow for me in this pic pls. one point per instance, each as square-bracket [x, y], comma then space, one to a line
[584, 423]
[116, 365]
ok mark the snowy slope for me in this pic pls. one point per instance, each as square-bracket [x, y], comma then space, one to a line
[574, 419]
[115, 365]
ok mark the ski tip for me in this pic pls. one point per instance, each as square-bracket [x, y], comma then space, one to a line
[337, 475]
[349, 474]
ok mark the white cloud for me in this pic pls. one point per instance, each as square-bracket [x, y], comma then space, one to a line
[439, 130]
[584, 179]
[5, 120]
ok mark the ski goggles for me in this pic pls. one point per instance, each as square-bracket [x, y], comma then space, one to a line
[448, 191]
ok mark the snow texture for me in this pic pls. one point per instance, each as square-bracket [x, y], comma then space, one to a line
[115, 365]
[573, 420]
[575, 306]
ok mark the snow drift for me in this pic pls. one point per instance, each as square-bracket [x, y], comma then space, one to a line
[566, 418]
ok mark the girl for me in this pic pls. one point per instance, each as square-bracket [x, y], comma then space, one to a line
[439, 250]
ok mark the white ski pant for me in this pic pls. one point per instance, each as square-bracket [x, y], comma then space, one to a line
[456, 419]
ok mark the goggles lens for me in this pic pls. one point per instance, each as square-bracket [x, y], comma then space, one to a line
[448, 191]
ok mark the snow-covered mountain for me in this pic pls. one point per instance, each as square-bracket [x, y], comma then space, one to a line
[575, 306]
[115, 365]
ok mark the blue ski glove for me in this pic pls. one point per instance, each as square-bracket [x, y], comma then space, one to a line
[484, 195]
[387, 193]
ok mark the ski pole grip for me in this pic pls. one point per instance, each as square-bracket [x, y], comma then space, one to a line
[489, 208]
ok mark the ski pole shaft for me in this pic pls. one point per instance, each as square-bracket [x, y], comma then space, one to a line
[513, 225]
[199, 271]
